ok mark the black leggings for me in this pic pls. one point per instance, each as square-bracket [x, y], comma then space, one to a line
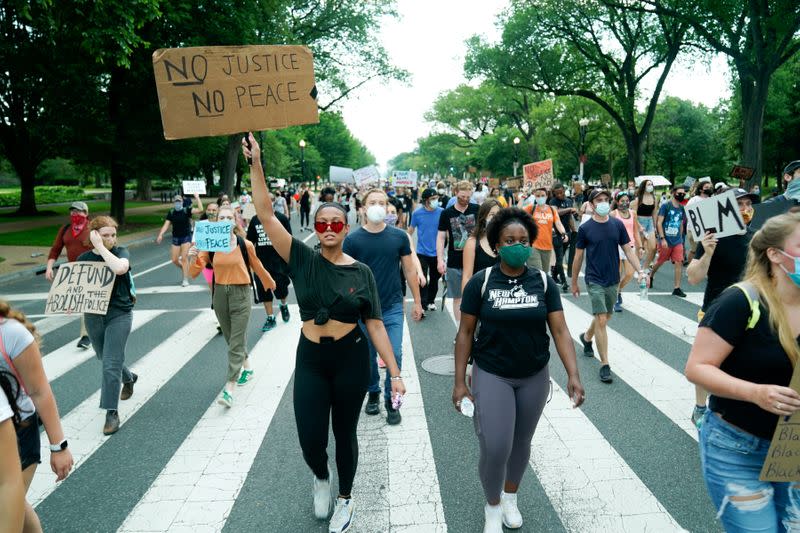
[429, 268]
[304, 215]
[330, 381]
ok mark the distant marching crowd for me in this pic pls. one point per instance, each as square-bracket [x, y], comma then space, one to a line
[505, 258]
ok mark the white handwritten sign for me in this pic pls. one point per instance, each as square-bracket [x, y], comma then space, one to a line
[80, 287]
[340, 174]
[366, 175]
[718, 214]
[194, 187]
[404, 178]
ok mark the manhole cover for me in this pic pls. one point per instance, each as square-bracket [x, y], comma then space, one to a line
[443, 365]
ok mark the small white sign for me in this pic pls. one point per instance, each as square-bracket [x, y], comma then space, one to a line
[718, 214]
[341, 174]
[194, 187]
[404, 178]
[366, 175]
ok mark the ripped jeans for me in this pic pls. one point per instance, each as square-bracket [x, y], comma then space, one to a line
[731, 462]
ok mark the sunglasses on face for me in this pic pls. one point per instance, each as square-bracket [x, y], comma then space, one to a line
[336, 226]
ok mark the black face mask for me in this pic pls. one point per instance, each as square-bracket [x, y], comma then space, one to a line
[680, 196]
[706, 192]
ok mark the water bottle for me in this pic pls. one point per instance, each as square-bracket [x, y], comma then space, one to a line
[643, 285]
[467, 407]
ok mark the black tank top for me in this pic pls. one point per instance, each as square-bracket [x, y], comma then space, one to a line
[645, 210]
[482, 259]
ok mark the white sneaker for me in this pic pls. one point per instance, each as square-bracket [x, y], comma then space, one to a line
[185, 282]
[493, 515]
[431, 307]
[342, 517]
[322, 497]
[512, 518]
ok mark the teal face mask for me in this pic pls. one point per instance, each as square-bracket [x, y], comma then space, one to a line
[514, 255]
[793, 189]
[540, 200]
[794, 276]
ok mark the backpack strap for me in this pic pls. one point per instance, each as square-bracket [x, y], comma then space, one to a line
[10, 363]
[751, 293]
[486, 274]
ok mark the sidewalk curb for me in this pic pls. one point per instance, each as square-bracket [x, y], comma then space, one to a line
[38, 270]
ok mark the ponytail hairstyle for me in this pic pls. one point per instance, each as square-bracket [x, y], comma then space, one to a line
[7, 312]
[759, 272]
[10, 387]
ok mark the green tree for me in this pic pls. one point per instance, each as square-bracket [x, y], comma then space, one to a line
[587, 49]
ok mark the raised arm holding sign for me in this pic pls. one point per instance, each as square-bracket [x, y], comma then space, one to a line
[213, 236]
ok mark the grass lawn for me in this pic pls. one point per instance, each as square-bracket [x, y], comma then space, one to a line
[101, 207]
[44, 236]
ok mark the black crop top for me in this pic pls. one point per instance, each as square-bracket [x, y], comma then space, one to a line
[325, 291]
[645, 210]
[482, 259]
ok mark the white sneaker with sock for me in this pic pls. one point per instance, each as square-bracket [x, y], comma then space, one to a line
[342, 517]
[494, 519]
[322, 496]
[512, 518]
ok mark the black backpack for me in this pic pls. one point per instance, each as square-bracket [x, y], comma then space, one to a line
[243, 249]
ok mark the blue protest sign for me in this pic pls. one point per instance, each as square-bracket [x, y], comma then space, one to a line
[213, 236]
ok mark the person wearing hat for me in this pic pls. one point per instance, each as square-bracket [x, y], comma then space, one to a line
[720, 187]
[180, 217]
[425, 219]
[601, 238]
[75, 238]
[721, 262]
[791, 178]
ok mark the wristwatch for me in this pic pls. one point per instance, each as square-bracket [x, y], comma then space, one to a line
[61, 446]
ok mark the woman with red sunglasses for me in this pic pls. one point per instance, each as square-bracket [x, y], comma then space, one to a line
[334, 292]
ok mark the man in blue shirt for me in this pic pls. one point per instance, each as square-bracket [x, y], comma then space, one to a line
[670, 232]
[382, 248]
[600, 238]
[426, 220]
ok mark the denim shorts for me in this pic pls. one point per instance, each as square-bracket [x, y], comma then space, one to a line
[177, 241]
[646, 223]
[731, 461]
[454, 282]
[29, 442]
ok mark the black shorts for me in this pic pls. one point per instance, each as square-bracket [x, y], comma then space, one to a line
[281, 288]
[29, 442]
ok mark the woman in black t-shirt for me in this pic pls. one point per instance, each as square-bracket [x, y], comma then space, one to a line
[477, 253]
[331, 376]
[744, 353]
[515, 305]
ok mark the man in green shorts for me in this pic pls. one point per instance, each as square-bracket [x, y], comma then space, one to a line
[601, 238]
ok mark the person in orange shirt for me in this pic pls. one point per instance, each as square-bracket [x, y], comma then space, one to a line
[545, 217]
[230, 291]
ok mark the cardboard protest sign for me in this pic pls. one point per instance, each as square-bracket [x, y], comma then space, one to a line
[366, 175]
[514, 183]
[248, 211]
[494, 182]
[404, 178]
[340, 174]
[783, 457]
[539, 174]
[220, 90]
[605, 179]
[742, 173]
[194, 187]
[213, 236]
[718, 214]
[764, 212]
[80, 287]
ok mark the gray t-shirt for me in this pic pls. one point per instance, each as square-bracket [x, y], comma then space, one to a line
[16, 338]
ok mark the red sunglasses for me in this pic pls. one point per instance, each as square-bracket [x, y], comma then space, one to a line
[336, 226]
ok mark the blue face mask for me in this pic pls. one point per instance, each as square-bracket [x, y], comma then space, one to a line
[540, 200]
[793, 189]
[794, 276]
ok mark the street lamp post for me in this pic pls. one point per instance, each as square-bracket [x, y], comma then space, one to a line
[302, 160]
[582, 123]
[516, 155]
[466, 167]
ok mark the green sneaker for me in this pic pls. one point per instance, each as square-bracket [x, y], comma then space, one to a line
[244, 377]
[225, 398]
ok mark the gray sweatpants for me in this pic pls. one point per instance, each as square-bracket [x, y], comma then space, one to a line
[232, 307]
[109, 335]
[506, 413]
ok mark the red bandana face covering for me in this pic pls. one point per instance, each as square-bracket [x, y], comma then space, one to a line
[78, 222]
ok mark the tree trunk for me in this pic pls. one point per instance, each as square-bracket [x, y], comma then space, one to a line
[208, 172]
[144, 188]
[239, 176]
[232, 151]
[117, 171]
[634, 147]
[754, 88]
[27, 196]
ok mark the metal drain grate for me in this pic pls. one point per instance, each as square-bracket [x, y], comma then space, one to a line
[442, 365]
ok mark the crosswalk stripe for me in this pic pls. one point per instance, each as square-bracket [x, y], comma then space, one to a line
[696, 298]
[83, 425]
[158, 289]
[60, 361]
[666, 319]
[52, 322]
[212, 463]
[403, 456]
[661, 385]
[589, 484]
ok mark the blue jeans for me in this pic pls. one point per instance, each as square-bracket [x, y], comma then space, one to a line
[731, 462]
[393, 322]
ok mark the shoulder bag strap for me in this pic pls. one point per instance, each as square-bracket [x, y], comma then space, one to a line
[751, 293]
[11, 363]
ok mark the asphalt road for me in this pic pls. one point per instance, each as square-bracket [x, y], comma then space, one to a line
[625, 461]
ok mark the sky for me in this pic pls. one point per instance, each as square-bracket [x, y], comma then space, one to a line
[428, 40]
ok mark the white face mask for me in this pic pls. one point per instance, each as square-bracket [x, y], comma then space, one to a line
[649, 188]
[435, 203]
[376, 213]
[440, 191]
